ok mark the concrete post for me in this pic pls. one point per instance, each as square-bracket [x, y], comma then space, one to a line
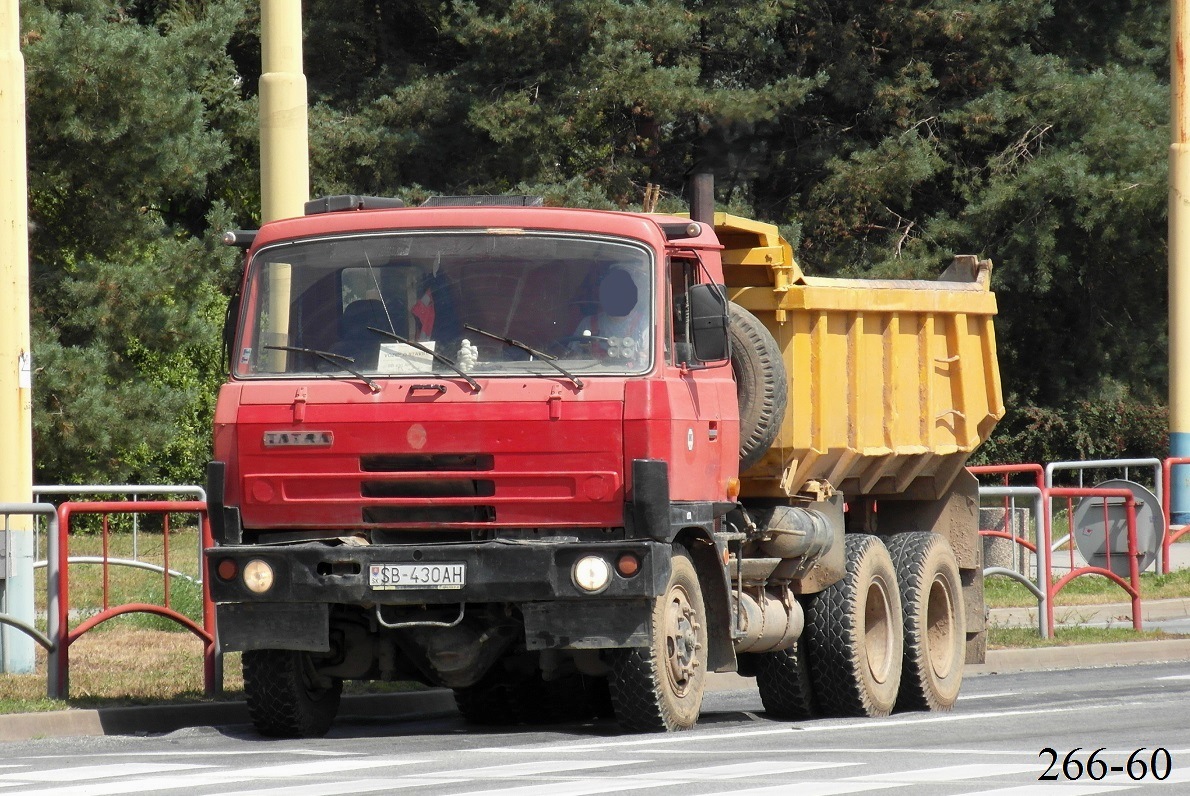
[1179, 263]
[284, 144]
[16, 409]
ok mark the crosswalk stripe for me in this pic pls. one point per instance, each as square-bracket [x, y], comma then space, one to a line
[575, 788]
[255, 773]
[352, 786]
[1056, 788]
[813, 788]
[757, 768]
[106, 771]
[695, 737]
[540, 767]
[950, 773]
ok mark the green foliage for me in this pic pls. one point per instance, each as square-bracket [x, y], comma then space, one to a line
[882, 138]
[1122, 428]
[126, 301]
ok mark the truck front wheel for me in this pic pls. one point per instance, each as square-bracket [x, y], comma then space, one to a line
[286, 697]
[855, 636]
[659, 688]
[931, 594]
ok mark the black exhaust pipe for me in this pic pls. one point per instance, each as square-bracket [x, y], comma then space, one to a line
[701, 190]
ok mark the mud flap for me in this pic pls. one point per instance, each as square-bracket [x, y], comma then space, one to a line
[281, 626]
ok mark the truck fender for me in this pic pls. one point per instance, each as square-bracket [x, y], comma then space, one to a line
[716, 596]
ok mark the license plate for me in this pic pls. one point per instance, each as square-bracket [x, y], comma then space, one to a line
[387, 577]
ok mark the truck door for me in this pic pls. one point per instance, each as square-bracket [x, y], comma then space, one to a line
[704, 442]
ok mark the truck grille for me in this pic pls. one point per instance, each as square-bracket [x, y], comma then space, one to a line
[427, 463]
[433, 489]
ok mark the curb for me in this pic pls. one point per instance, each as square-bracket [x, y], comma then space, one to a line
[145, 719]
[1084, 656]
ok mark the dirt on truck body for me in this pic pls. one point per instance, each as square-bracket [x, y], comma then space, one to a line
[567, 462]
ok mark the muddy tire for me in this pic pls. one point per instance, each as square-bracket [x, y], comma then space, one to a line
[854, 635]
[935, 638]
[286, 697]
[783, 678]
[760, 383]
[659, 688]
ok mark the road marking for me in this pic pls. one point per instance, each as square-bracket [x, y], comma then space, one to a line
[816, 727]
[755, 768]
[222, 776]
[1174, 677]
[1056, 788]
[542, 767]
[950, 773]
[108, 771]
[812, 788]
[576, 788]
[353, 786]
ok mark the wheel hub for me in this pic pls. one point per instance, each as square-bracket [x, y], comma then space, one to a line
[681, 641]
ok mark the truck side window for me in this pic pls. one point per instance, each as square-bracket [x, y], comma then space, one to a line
[682, 274]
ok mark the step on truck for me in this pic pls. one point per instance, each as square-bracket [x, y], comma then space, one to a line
[569, 462]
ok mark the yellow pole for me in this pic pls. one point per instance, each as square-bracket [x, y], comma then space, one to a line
[16, 409]
[284, 145]
[1179, 261]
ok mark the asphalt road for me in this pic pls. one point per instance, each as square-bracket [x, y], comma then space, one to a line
[994, 742]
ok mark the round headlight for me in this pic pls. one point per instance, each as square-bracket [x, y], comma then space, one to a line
[592, 573]
[258, 576]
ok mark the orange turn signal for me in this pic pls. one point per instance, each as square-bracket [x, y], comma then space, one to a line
[627, 564]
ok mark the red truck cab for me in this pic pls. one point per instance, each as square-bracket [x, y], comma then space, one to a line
[463, 445]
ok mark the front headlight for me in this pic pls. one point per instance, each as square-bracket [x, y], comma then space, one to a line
[258, 576]
[591, 574]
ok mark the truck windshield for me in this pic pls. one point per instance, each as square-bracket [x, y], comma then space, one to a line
[491, 304]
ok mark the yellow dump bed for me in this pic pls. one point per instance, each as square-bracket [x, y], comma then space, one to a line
[892, 383]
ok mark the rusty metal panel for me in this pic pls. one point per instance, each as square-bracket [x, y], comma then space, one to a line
[892, 383]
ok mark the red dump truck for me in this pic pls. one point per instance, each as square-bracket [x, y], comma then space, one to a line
[567, 462]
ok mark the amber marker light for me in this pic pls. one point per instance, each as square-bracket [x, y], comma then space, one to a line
[627, 565]
[733, 489]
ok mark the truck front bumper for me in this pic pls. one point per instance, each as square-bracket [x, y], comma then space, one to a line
[538, 577]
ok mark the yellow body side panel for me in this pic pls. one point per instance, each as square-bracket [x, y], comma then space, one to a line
[892, 384]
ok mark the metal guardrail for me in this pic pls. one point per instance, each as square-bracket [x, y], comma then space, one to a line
[1046, 589]
[48, 640]
[59, 563]
[133, 491]
[1105, 464]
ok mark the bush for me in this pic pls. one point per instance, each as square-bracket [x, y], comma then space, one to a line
[1123, 428]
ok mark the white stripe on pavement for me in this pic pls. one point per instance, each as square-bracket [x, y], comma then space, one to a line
[950, 773]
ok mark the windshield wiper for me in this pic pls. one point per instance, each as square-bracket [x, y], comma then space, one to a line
[548, 359]
[338, 360]
[427, 350]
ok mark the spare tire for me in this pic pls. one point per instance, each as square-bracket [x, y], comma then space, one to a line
[760, 380]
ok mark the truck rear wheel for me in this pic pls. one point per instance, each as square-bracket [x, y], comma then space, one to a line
[659, 688]
[286, 697]
[854, 634]
[783, 678]
[931, 596]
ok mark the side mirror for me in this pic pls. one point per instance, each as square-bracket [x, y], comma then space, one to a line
[708, 322]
